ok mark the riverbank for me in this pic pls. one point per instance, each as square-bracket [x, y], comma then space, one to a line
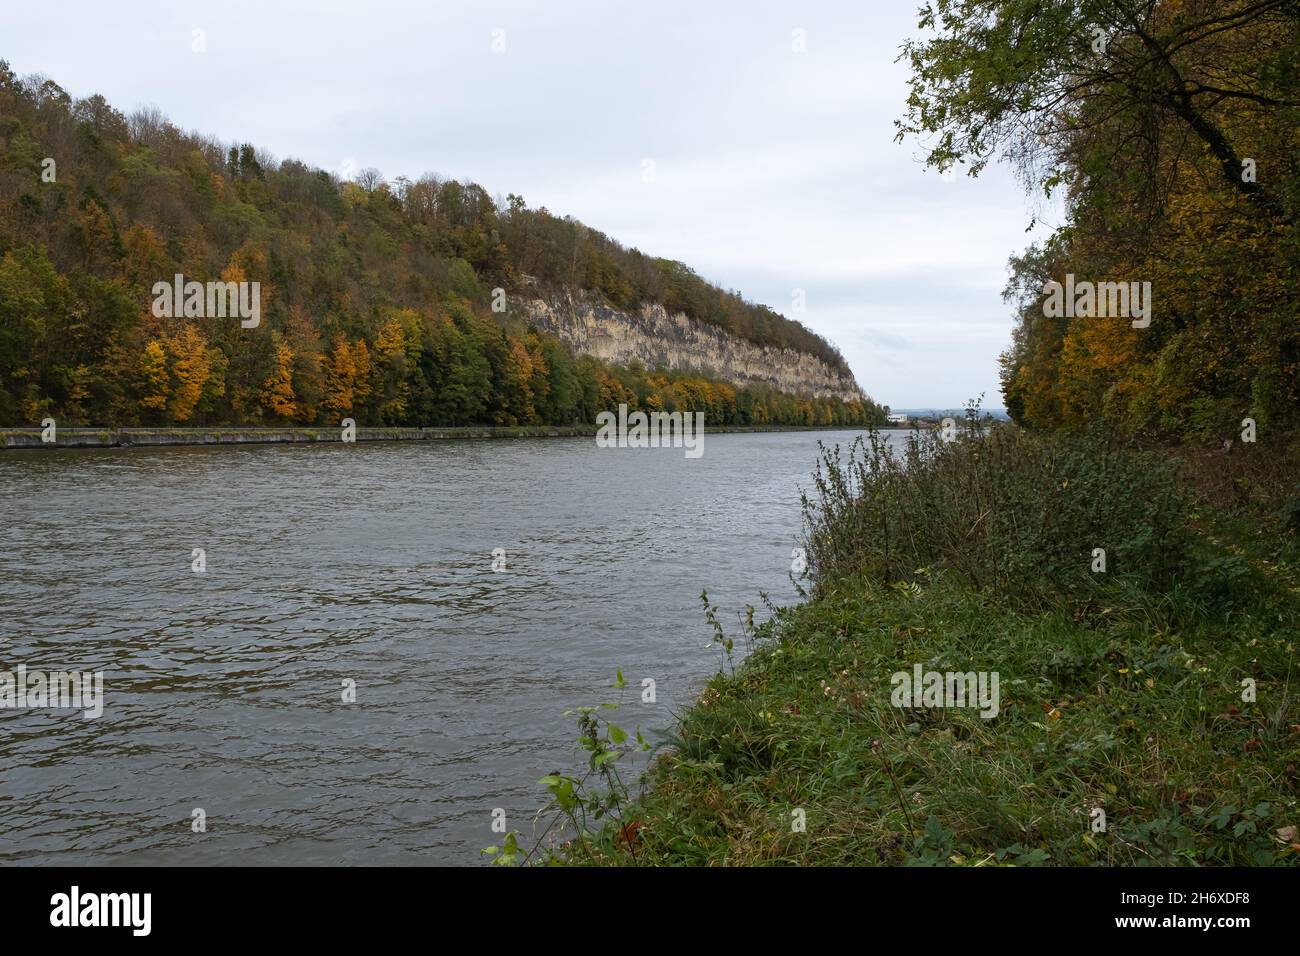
[1140, 714]
[16, 438]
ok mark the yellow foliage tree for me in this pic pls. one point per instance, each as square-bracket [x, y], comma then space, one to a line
[340, 378]
[277, 390]
[153, 372]
[520, 388]
[145, 261]
[191, 368]
[362, 362]
[390, 367]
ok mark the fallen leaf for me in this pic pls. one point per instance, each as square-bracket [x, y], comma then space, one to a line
[630, 832]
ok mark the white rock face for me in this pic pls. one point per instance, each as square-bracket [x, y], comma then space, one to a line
[591, 327]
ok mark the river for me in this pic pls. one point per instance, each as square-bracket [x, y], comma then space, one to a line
[369, 563]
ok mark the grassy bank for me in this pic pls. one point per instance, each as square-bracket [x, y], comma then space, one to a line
[1127, 712]
[1121, 691]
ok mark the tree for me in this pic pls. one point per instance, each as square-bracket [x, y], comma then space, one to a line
[340, 380]
[193, 368]
[277, 391]
[308, 371]
[1033, 81]
[155, 385]
[390, 371]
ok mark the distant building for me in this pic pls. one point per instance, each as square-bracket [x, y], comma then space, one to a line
[897, 419]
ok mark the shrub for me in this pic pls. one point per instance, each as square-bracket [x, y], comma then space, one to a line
[1007, 510]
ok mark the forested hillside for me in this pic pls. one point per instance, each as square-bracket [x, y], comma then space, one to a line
[1174, 128]
[376, 297]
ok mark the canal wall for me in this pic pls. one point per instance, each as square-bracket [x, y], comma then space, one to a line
[21, 438]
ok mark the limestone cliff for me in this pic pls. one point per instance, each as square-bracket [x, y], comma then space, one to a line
[592, 327]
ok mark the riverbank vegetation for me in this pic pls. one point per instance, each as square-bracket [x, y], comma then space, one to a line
[1146, 713]
[376, 297]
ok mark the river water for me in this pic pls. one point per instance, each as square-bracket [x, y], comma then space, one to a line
[369, 563]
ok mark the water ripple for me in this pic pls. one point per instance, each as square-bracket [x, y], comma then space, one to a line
[366, 563]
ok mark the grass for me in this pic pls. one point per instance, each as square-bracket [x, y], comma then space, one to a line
[1120, 693]
[1127, 713]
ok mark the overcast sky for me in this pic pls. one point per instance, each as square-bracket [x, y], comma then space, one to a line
[774, 170]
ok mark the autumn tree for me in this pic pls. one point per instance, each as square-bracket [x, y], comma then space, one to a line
[340, 379]
[155, 382]
[195, 370]
[277, 390]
